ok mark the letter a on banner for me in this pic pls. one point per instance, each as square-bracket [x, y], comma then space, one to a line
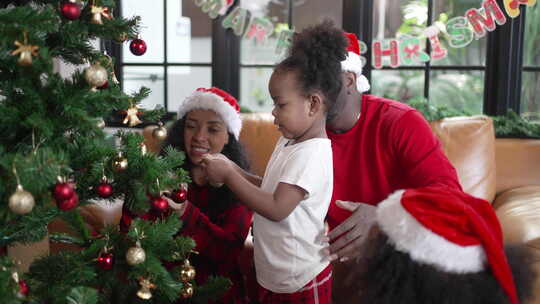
[392, 51]
[480, 23]
[512, 6]
[236, 20]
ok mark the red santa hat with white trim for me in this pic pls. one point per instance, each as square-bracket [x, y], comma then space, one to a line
[217, 100]
[449, 230]
[354, 64]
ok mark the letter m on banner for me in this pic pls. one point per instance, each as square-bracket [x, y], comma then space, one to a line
[480, 23]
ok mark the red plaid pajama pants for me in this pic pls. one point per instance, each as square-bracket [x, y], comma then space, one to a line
[317, 291]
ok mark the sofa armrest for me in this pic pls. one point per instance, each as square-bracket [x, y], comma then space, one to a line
[518, 211]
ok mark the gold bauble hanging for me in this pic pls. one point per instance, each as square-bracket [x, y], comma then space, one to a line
[135, 255]
[159, 133]
[187, 291]
[120, 163]
[100, 123]
[25, 51]
[97, 12]
[188, 272]
[22, 201]
[131, 118]
[96, 76]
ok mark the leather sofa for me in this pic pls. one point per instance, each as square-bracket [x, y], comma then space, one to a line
[505, 172]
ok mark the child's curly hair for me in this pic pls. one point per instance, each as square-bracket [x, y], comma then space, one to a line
[316, 54]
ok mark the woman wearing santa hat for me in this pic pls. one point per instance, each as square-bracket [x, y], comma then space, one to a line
[209, 122]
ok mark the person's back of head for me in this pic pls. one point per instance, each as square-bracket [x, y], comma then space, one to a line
[315, 55]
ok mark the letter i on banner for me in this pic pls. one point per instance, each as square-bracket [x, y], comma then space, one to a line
[284, 41]
[460, 33]
[259, 29]
[236, 20]
[437, 51]
[480, 23]
[512, 6]
[392, 51]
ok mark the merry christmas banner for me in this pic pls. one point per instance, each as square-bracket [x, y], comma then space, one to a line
[405, 50]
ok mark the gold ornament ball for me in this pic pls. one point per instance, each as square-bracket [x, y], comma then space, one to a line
[144, 293]
[187, 273]
[100, 123]
[120, 163]
[135, 256]
[187, 291]
[159, 133]
[25, 59]
[22, 201]
[95, 75]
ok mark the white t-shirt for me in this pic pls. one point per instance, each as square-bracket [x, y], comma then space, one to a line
[288, 253]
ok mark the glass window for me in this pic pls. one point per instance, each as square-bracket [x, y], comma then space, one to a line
[306, 13]
[189, 33]
[530, 88]
[459, 90]
[184, 80]
[402, 85]
[151, 13]
[254, 95]
[151, 77]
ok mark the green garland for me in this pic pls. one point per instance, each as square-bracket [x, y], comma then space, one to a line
[506, 126]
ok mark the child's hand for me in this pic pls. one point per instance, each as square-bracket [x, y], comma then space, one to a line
[217, 167]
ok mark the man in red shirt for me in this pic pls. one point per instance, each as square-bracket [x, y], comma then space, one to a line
[379, 146]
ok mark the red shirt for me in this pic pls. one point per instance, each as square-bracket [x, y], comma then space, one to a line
[390, 147]
[219, 240]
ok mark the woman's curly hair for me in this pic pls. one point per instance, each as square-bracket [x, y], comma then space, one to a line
[222, 198]
[315, 55]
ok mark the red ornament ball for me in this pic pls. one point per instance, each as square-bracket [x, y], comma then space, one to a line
[105, 261]
[104, 86]
[104, 190]
[63, 191]
[23, 288]
[159, 204]
[179, 195]
[137, 47]
[68, 204]
[70, 10]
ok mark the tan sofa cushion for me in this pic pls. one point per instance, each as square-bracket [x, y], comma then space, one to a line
[518, 163]
[518, 211]
[469, 144]
[259, 136]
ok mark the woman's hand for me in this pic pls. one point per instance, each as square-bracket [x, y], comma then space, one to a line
[217, 167]
[355, 230]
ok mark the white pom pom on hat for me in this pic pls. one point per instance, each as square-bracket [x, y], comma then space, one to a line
[353, 63]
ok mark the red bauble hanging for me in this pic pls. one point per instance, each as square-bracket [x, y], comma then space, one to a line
[137, 47]
[68, 204]
[104, 86]
[23, 288]
[104, 189]
[105, 261]
[63, 191]
[159, 204]
[70, 10]
[179, 195]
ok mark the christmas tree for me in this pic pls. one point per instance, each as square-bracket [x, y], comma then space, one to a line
[55, 158]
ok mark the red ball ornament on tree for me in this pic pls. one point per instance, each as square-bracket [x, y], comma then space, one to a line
[105, 261]
[23, 288]
[63, 191]
[68, 204]
[104, 190]
[179, 195]
[159, 204]
[70, 10]
[137, 47]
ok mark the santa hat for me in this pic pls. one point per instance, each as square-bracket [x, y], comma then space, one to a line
[448, 229]
[217, 100]
[353, 63]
